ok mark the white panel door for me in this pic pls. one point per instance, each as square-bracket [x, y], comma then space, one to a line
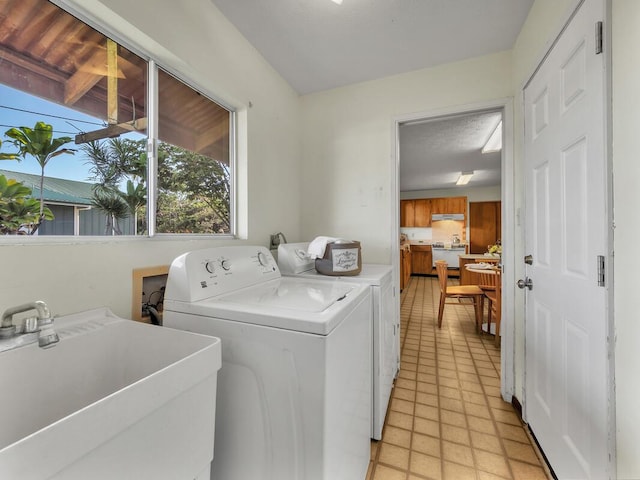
[566, 383]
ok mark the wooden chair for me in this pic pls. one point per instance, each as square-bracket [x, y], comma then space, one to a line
[494, 296]
[487, 282]
[458, 292]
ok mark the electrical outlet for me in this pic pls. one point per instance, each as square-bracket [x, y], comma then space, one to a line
[275, 241]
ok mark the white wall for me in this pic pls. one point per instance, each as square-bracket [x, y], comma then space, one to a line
[626, 171]
[192, 38]
[347, 134]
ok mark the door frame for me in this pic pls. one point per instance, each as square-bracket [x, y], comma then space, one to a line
[509, 224]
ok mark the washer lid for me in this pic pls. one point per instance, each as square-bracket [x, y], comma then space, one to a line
[289, 303]
[298, 294]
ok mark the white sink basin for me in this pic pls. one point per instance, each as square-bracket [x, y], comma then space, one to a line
[114, 399]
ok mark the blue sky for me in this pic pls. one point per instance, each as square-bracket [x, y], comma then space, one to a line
[14, 108]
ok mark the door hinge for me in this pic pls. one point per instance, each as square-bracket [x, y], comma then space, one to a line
[598, 38]
[601, 270]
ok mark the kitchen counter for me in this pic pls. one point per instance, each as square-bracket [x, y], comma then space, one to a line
[430, 242]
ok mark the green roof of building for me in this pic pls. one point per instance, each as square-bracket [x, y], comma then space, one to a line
[56, 190]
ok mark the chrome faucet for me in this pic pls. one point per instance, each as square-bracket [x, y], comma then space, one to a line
[42, 324]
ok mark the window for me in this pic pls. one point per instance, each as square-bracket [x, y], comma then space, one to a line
[87, 96]
[193, 161]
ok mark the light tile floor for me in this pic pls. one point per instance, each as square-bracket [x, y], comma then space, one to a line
[446, 419]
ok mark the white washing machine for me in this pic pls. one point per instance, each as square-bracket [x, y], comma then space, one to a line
[294, 261]
[294, 390]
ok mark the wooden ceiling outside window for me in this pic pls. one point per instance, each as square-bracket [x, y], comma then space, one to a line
[48, 53]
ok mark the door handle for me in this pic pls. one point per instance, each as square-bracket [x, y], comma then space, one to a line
[527, 282]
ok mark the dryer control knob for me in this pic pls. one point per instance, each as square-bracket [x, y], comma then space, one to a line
[225, 264]
[209, 266]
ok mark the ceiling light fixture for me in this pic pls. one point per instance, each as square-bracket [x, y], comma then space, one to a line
[494, 144]
[464, 178]
[338, 2]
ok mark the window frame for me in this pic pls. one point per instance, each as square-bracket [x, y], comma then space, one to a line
[153, 65]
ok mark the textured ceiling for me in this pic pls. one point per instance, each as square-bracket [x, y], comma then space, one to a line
[433, 153]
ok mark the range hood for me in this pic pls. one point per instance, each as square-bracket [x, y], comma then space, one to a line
[446, 216]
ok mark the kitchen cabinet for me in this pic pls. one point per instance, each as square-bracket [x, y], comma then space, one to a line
[485, 225]
[407, 213]
[405, 267]
[421, 260]
[438, 205]
[417, 212]
[449, 205]
[422, 212]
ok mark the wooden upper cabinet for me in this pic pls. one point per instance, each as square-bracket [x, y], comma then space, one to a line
[422, 212]
[439, 205]
[457, 205]
[417, 213]
[449, 205]
[407, 213]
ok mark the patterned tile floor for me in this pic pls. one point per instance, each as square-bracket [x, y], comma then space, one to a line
[447, 420]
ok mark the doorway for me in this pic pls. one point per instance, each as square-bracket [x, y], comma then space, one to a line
[505, 109]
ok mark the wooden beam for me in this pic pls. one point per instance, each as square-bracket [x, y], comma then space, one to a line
[85, 77]
[112, 82]
[92, 71]
[12, 57]
[112, 131]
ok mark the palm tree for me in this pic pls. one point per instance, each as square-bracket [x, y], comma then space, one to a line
[6, 156]
[114, 208]
[112, 162]
[135, 197]
[40, 144]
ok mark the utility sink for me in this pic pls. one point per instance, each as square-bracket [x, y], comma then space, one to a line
[114, 399]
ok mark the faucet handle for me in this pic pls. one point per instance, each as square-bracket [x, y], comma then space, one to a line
[30, 325]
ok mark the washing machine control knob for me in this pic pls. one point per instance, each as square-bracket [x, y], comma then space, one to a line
[225, 264]
[262, 259]
[209, 266]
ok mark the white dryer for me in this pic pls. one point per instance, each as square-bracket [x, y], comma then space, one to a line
[294, 261]
[294, 390]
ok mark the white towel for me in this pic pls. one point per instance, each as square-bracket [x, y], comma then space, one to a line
[318, 245]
